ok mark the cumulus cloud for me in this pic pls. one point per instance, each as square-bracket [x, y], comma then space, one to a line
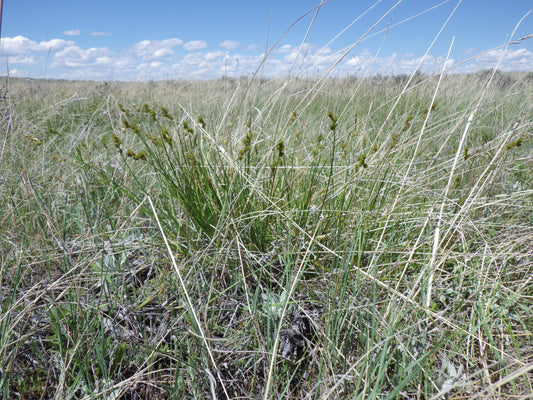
[323, 51]
[22, 46]
[74, 62]
[17, 45]
[75, 57]
[511, 60]
[213, 55]
[192, 59]
[154, 49]
[195, 45]
[164, 59]
[153, 65]
[286, 48]
[74, 32]
[396, 64]
[22, 60]
[54, 45]
[229, 44]
[19, 73]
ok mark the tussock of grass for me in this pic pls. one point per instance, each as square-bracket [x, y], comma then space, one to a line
[156, 238]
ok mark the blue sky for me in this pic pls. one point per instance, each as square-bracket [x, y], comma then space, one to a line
[206, 39]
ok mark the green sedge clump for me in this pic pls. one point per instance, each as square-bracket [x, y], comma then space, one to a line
[123, 109]
[35, 140]
[247, 141]
[362, 161]
[165, 135]
[117, 142]
[52, 130]
[333, 119]
[58, 158]
[148, 110]
[156, 140]
[431, 108]
[278, 157]
[344, 149]
[516, 143]
[319, 147]
[293, 117]
[164, 112]
[407, 123]
[130, 125]
[355, 121]
[136, 156]
[187, 128]
[280, 147]
[466, 155]
[394, 140]
[201, 121]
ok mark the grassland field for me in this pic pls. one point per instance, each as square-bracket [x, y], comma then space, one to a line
[348, 238]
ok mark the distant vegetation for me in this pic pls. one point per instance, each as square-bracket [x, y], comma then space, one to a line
[337, 239]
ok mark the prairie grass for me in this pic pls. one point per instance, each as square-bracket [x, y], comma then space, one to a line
[157, 237]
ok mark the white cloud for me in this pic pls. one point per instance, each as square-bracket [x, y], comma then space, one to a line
[54, 44]
[150, 65]
[161, 53]
[19, 73]
[74, 32]
[195, 45]
[20, 45]
[75, 57]
[511, 60]
[286, 48]
[365, 63]
[293, 56]
[494, 56]
[506, 60]
[160, 59]
[22, 60]
[213, 55]
[100, 33]
[153, 49]
[192, 59]
[229, 44]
